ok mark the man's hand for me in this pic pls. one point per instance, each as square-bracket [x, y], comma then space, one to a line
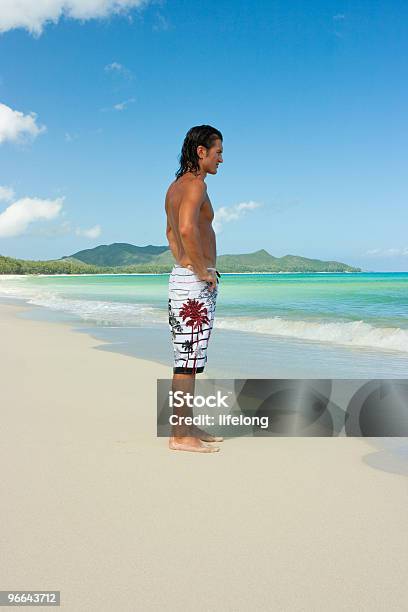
[209, 277]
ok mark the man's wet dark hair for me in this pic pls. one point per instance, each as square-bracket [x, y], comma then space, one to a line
[204, 135]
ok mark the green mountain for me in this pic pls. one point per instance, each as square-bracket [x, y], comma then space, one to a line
[121, 257]
[118, 254]
[262, 261]
[261, 257]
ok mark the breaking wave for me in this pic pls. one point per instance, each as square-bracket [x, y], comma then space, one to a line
[353, 333]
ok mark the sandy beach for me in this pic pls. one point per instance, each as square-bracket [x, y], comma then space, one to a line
[96, 506]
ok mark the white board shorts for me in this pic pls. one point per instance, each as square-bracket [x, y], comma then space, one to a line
[191, 317]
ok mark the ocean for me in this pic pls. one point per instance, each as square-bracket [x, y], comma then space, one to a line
[327, 325]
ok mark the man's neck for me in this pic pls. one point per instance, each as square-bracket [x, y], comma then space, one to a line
[198, 174]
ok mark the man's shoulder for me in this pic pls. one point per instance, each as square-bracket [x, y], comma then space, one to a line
[195, 187]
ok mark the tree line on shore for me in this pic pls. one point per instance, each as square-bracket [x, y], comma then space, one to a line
[10, 265]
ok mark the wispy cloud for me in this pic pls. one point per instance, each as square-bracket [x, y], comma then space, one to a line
[53, 231]
[391, 252]
[339, 20]
[6, 194]
[64, 228]
[92, 232]
[70, 137]
[162, 24]
[15, 126]
[123, 105]
[120, 106]
[16, 218]
[33, 15]
[117, 68]
[226, 214]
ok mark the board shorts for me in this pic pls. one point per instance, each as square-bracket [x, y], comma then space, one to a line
[191, 317]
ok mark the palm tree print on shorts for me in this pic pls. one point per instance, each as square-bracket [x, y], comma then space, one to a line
[194, 314]
[178, 355]
[209, 296]
[199, 352]
[187, 346]
[174, 324]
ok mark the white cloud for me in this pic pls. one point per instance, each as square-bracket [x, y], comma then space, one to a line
[391, 252]
[70, 137]
[232, 213]
[6, 194]
[373, 252]
[123, 105]
[114, 66]
[92, 232]
[120, 106]
[118, 68]
[33, 15]
[17, 217]
[16, 127]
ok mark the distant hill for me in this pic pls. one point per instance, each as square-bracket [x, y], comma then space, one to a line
[121, 257]
[122, 254]
[118, 254]
[262, 258]
[262, 261]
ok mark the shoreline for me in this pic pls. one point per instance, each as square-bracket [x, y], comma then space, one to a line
[11, 276]
[284, 355]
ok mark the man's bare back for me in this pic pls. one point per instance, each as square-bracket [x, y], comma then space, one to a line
[189, 209]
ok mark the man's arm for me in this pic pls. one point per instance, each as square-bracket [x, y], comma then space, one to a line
[189, 213]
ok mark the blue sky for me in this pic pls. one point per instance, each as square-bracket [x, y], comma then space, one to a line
[309, 96]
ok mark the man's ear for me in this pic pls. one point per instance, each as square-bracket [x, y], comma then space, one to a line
[201, 151]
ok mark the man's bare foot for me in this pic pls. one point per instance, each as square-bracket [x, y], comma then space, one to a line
[189, 443]
[203, 435]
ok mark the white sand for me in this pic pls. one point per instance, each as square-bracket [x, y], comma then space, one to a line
[96, 506]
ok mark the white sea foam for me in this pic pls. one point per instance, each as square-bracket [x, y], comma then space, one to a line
[101, 311]
[353, 333]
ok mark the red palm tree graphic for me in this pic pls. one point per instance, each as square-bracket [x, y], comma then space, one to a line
[198, 316]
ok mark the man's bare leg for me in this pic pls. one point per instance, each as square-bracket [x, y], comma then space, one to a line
[189, 438]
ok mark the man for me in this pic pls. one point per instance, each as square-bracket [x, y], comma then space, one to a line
[193, 280]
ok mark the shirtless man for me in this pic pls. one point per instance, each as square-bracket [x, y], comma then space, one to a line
[193, 280]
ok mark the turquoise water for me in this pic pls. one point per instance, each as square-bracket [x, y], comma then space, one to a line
[365, 309]
[268, 325]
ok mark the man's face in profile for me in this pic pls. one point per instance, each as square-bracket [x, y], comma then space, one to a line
[212, 157]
